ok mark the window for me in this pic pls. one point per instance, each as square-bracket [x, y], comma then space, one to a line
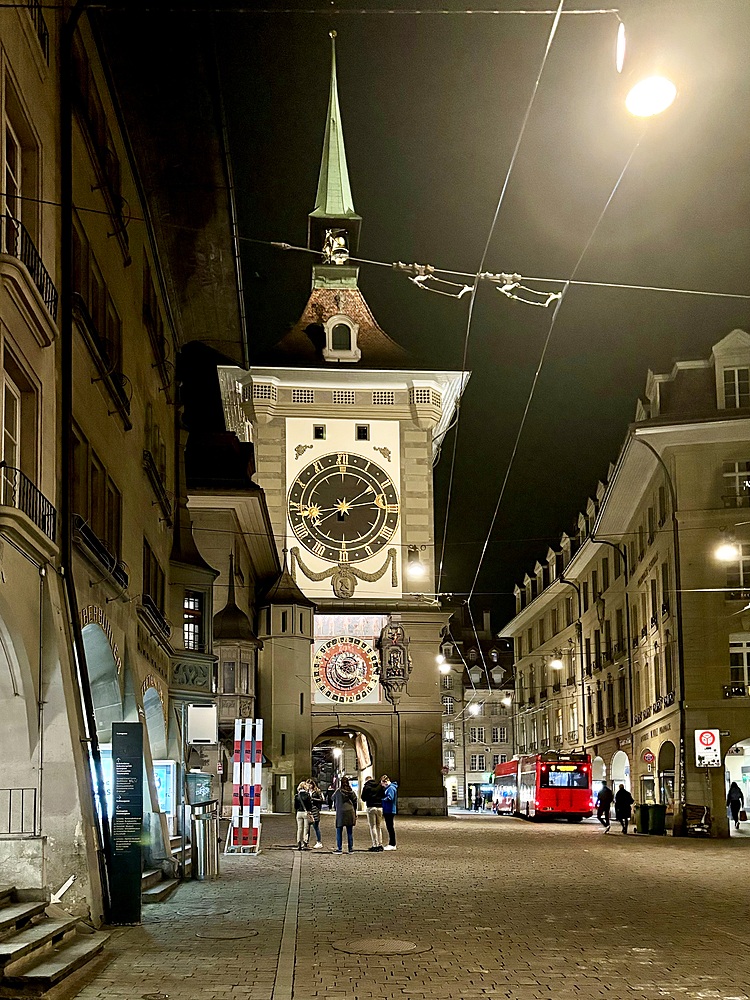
[20, 157]
[341, 339]
[284, 620]
[11, 423]
[153, 577]
[541, 631]
[654, 592]
[585, 589]
[192, 620]
[20, 404]
[495, 760]
[739, 658]
[448, 705]
[477, 762]
[736, 484]
[554, 625]
[738, 574]
[605, 574]
[91, 288]
[499, 734]
[244, 678]
[736, 388]
[594, 584]
[503, 758]
[449, 732]
[662, 504]
[476, 734]
[447, 682]
[573, 719]
[558, 724]
[362, 432]
[319, 432]
[473, 656]
[228, 679]
[449, 759]
[668, 668]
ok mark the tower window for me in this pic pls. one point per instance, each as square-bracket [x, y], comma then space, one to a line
[192, 620]
[341, 337]
[363, 432]
[319, 432]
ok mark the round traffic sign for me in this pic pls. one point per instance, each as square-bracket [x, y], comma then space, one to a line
[648, 757]
[707, 738]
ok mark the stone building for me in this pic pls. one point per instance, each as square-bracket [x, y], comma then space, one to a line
[630, 641]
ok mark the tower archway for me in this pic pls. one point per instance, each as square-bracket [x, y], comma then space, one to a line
[343, 752]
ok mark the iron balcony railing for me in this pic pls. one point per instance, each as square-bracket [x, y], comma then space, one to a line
[157, 616]
[16, 242]
[18, 817]
[17, 490]
[85, 536]
[42, 31]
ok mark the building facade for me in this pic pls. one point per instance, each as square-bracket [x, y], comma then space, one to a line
[630, 640]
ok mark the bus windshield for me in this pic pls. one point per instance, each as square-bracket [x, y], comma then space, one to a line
[563, 776]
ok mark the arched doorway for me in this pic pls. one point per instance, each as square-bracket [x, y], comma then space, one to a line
[18, 704]
[737, 769]
[619, 770]
[598, 775]
[106, 694]
[665, 772]
[342, 752]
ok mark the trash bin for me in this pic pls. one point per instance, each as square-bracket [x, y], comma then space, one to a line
[641, 817]
[657, 819]
[204, 846]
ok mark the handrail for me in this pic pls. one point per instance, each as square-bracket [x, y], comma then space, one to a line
[17, 490]
[16, 242]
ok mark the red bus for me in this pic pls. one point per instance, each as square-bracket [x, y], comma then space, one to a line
[545, 786]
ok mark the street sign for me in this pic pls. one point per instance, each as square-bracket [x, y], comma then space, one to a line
[648, 757]
[707, 748]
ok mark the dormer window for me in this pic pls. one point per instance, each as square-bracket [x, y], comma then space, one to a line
[736, 388]
[341, 339]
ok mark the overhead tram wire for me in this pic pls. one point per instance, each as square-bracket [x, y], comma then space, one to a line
[235, 8]
[475, 283]
[542, 357]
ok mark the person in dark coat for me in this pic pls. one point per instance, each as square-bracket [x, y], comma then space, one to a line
[345, 804]
[603, 805]
[623, 807]
[735, 801]
[372, 796]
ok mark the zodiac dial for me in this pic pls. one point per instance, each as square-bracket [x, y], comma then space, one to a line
[345, 669]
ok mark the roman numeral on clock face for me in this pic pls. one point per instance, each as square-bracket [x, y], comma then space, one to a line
[319, 549]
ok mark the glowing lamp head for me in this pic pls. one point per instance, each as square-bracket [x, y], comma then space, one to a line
[474, 709]
[444, 668]
[415, 568]
[620, 47]
[728, 551]
[556, 662]
[650, 96]
[440, 659]
[506, 701]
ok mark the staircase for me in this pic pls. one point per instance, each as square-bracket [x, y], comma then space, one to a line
[38, 951]
[155, 885]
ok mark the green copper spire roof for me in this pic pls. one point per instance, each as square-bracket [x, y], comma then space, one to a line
[334, 198]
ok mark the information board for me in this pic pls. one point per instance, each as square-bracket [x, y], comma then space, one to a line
[707, 748]
[127, 822]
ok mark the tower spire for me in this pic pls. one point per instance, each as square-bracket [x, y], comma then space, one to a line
[334, 205]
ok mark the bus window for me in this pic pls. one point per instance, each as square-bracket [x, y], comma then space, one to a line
[553, 776]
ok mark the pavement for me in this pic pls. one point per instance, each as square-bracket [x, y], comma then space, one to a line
[466, 907]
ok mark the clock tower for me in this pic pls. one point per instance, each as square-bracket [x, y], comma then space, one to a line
[346, 432]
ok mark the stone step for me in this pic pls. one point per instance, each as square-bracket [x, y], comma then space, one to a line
[149, 878]
[14, 915]
[6, 893]
[54, 965]
[34, 937]
[159, 892]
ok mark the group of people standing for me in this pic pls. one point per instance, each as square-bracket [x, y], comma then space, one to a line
[380, 799]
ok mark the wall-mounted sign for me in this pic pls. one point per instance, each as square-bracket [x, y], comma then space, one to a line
[707, 748]
[127, 822]
[648, 757]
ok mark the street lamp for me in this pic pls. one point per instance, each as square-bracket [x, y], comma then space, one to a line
[650, 96]
[649, 91]
[728, 550]
[556, 662]
[415, 568]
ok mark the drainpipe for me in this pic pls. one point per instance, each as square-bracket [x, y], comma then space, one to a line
[679, 827]
[579, 633]
[102, 831]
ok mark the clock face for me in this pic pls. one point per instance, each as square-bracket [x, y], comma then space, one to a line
[345, 669]
[343, 508]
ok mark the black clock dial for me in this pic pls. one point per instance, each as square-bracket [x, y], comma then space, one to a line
[343, 508]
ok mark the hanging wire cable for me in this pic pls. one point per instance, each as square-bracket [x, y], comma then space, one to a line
[475, 284]
[542, 357]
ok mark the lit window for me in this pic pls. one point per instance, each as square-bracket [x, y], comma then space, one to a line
[449, 732]
[192, 619]
[448, 704]
[738, 573]
[449, 759]
[736, 492]
[447, 681]
[739, 658]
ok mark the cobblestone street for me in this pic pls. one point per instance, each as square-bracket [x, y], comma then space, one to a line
[480, 907]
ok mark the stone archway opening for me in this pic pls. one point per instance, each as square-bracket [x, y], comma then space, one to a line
[341, 753]
[665, 770]
[737, 770]
[619, 770]
[106, 694]
[598, 775]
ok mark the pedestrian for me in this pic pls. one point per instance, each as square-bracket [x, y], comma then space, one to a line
[372, 796]
[623, 807]
[603, 805]
[316, 799]
[345, 804]
[735, 801]
[303, 812]
[390, 808]
[477, 799]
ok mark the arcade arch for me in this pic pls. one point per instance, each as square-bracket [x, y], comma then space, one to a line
[343, 752]
[619, 770]
[665, 770]
[598, 774]
[18, 704]
[737, 768]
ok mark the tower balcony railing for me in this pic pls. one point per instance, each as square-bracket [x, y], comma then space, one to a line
[17, 490]
[16, 242]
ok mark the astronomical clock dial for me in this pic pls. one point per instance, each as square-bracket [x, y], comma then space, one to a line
[345, 669]
[343, 508]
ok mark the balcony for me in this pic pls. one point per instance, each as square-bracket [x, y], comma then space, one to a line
[157, 485]
[543, 694]
[154, 616]
[559, 740]
[622, 718]
[114, 381]
[654, 621]
[544, 744]
[638, 717]
[570, 681]
[665, 609]
[573, 736]
[98, 551]
[732, 691]
[16, 242]
[556, 687]
[599, 727]
[738, 595]
[532, 699]
[609, 722]
[17, 490]
[647, 712]
[644, 632]
[522, 748]
[589, 732]
[597, 665]
[658, 705]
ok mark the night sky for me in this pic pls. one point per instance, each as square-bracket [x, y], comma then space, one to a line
[432, 106]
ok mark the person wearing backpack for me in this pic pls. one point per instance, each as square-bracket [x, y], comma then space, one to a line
[390, 808]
